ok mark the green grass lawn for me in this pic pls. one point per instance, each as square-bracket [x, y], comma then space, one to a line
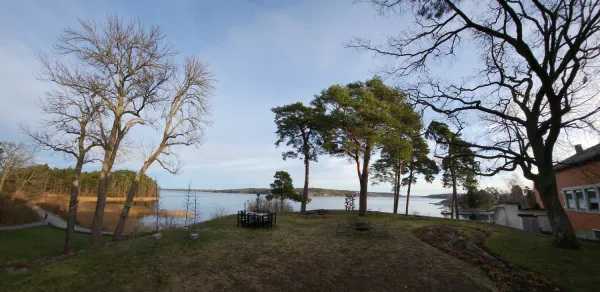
[23, 245]
[577, 270]
[300, 254]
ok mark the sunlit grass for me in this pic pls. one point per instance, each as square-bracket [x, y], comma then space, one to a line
[300, 254]
[24, 245]
[577, 270]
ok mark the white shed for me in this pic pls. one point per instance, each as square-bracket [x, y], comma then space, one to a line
[511, 215]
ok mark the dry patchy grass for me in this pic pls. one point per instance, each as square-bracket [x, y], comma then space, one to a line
[298, 255]
[303, 254]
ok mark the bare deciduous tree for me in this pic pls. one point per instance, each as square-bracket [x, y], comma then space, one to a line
[539, 62]
[12, 157]
[70, 111]
[187, 202]
[33, 179]
[126, 66]
[184, 120]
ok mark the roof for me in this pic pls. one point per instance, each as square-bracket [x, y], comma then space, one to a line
[589, 154]
[507, 202]
[526, 215]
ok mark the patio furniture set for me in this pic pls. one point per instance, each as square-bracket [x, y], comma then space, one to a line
[312, 213]
[352, 227]
[267, 219]
[256, 219]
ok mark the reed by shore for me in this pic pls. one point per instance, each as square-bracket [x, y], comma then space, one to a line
[56, 197]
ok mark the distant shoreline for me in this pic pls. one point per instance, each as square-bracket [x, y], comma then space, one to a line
[312, 192]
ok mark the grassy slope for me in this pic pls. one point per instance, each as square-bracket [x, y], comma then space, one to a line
[300, 254]
[23, 245]
[575, 270]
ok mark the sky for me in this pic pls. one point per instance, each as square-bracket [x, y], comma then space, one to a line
[263, 54]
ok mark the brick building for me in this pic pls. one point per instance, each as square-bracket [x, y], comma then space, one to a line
[578, 182]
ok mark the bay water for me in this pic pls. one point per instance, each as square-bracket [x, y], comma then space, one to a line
[210, 203]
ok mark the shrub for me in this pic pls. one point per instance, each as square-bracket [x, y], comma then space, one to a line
[55, 208]
[219, 212]
[16, 212]
[272, 205]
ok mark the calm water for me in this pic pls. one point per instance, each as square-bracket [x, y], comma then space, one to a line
[208, 203]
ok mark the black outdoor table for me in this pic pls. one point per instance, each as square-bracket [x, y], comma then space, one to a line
[256, 219]
[258, 214]
[362, 226]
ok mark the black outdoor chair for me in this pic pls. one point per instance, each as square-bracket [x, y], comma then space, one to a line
[245, 219]
[270, 219]
[343, 228]
[380, 229]
[241, 219]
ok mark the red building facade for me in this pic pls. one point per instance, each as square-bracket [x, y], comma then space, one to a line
[578, 182]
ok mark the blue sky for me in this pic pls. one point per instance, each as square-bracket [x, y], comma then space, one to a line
[263, 54]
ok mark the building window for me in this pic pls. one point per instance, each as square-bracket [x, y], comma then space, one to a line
[582, 198]
[581, 201]
[570, 200]
[596, 233]
[593, 199]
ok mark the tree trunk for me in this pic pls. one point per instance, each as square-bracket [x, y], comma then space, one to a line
[103, 185]
[454, 208]
[133, 189]
[563, 235]
[397, 184]
[395, 189]
[410, 178]
[127, 206]
[73, 202]
[364, 183]
[395, 206]
[3, 179]
[362, 199]
[305, 190]
[96, 238]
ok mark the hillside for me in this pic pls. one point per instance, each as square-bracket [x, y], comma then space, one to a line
[312, 192]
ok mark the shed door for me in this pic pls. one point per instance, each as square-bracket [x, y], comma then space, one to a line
[530, 224]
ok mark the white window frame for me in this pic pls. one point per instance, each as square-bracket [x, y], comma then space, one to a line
[567, 206]
[587, 197]
[583, 188]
